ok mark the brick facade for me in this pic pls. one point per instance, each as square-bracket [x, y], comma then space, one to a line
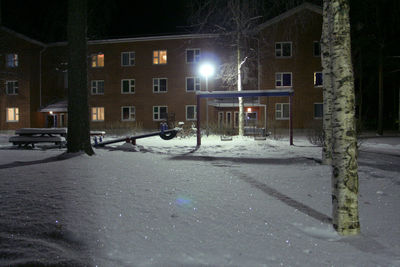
[124, 96]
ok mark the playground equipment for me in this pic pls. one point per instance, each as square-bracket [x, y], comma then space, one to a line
[166, 134]
[289, 92]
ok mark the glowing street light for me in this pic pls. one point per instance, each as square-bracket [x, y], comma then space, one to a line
[206, 70]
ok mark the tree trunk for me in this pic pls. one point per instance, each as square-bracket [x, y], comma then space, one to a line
[239, 88]
[78, 110]
[344, 153]
[326, 51]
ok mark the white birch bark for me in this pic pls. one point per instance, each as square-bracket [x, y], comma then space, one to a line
[239, 88]
[344, 153]
[327, 82]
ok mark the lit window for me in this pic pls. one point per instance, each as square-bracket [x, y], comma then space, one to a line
[316, 49]
[192, 84]
[283, 49]
[97, 60]
[159, 57]
[128, 86]
[12, 60]
[318, 110]
[318, 79]
[97, 87]
[97, 114]
[128, 59]
[128, 113]
[11, 87]
[12, 115]
[191, 113]
[192, 55]
[160, 113]
[283, 79]
[160, 85]
[282, 111]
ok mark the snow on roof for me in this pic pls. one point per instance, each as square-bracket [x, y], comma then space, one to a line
[245, 93]
[60, 106]
[291, 12]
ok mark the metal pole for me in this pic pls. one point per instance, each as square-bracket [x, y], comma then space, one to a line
[291, 119]
[198, 120]
[207, 106]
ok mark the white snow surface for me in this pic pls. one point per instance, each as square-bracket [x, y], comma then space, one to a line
[164, 203]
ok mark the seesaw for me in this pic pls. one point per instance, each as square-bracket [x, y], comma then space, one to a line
[164, 134]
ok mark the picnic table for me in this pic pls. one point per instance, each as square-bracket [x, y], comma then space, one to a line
[31, 136]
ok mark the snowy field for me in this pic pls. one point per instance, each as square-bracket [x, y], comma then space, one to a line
[163, 203]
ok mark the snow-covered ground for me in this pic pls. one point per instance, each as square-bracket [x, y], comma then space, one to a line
[164, 203]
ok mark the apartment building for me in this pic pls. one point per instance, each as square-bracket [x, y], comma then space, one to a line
[140, 82]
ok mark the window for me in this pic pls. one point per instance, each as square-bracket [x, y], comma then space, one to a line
[128, 59]
[11, 87]
[228, 119]
[12, 115]
[160, 85]
[97, 60]
[192, 55]
[316, 49]
[220, 119]
[97, 87]
[318, 110]
[159, 57]
[160, 113]
[191, 113]
[98, 114]
[128, 113]
[283, 79]
[282, 111]
[236, 119]
[11, 60]
[127, 86]
[283, 49]
[318, 79]
[192, 84]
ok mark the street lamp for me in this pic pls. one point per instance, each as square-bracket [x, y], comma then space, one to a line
[206, 70]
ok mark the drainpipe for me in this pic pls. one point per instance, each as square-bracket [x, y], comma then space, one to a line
[40, 76]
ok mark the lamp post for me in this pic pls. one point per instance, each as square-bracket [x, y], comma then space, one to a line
[206, 70]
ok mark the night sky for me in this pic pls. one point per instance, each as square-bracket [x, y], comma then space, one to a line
[46, 20]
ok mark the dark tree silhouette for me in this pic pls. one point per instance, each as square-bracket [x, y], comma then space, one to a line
[78, 110]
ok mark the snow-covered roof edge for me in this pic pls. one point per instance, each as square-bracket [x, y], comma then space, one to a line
[143, 39]
[290, 12]
[21, 36]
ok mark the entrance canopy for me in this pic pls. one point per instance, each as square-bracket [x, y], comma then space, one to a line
[61, 106]
[246, 93]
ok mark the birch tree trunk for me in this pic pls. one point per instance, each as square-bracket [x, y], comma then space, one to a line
[239, 88]
[326, 47]
[78, 110]
[344, 153]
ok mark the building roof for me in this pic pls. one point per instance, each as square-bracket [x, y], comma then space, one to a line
[291, 12]
[60, 106]
[21, 36]
[144, 39]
